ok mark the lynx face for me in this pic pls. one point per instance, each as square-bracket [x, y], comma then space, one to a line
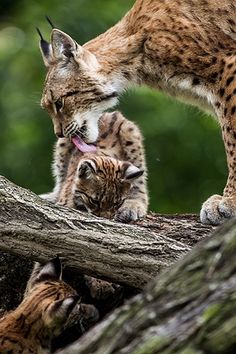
[75, 93]
[103, 184]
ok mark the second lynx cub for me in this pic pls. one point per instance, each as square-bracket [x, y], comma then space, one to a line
[48, 302]
[110, 182]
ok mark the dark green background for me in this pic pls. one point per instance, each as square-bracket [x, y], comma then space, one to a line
[184, 150]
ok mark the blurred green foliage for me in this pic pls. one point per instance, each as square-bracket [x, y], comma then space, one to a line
[184, 150]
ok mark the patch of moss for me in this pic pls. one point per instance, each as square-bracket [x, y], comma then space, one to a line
[152, 345]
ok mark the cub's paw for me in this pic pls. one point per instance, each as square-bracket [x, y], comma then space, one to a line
[50, 197]
[131, 210]
[217, 209]
[89, 314]
[66, 201]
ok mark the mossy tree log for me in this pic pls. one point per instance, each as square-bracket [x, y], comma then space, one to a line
[190, 309]
[127, 254]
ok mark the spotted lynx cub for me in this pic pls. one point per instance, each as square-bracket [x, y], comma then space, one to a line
[45, 309]
[109, 182]
[183, 47]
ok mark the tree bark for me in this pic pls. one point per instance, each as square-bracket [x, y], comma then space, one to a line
[190, 309]
[123, 253]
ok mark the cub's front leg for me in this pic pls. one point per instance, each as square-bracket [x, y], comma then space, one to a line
[61, 157]
[135, 206]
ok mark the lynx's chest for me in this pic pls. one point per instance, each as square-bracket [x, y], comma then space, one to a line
[198, 95]
[186, 89]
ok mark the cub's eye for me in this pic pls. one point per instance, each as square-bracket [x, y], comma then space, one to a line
[95, 202]
[59, 104]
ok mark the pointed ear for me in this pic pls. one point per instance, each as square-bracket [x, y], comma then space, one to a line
[87, 169]
[50, 271]
[63, 46]
[60, 309]
[46, 50]
[131, 172]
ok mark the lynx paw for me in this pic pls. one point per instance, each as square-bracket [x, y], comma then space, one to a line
[131, 211]
[89, 314]
[50, 197]
[218, 209]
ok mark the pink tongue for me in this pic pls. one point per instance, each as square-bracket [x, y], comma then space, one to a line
[82, 146]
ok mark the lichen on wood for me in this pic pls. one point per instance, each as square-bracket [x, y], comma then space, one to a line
[190, 308]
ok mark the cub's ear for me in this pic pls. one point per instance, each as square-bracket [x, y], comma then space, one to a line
[60, 309]
[87, 169]
[50, 271]
[64, 47]
[131, 172]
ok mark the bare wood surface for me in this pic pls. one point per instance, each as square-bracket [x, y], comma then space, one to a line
[123, 253]
[190, 309]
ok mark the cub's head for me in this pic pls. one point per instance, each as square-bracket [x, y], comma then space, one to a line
[75, 91]
[103, 183]
[48, 298]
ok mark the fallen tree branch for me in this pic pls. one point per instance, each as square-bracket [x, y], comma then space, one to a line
[122, 253]
[189, 309]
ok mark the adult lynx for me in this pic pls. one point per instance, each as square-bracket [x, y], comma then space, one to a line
[186, 48]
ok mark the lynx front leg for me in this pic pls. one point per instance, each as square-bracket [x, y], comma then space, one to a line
[135, 206]
[62, 152]
[219, 208]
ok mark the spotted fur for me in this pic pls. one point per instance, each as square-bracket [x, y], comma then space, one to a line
[45, 309]
[186, 48]
[110, 183]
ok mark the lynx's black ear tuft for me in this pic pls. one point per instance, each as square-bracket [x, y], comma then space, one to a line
[50, 22]
[44, 45]
[45, 48]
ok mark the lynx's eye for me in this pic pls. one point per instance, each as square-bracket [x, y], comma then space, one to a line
[95, 202]
[59, 104]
